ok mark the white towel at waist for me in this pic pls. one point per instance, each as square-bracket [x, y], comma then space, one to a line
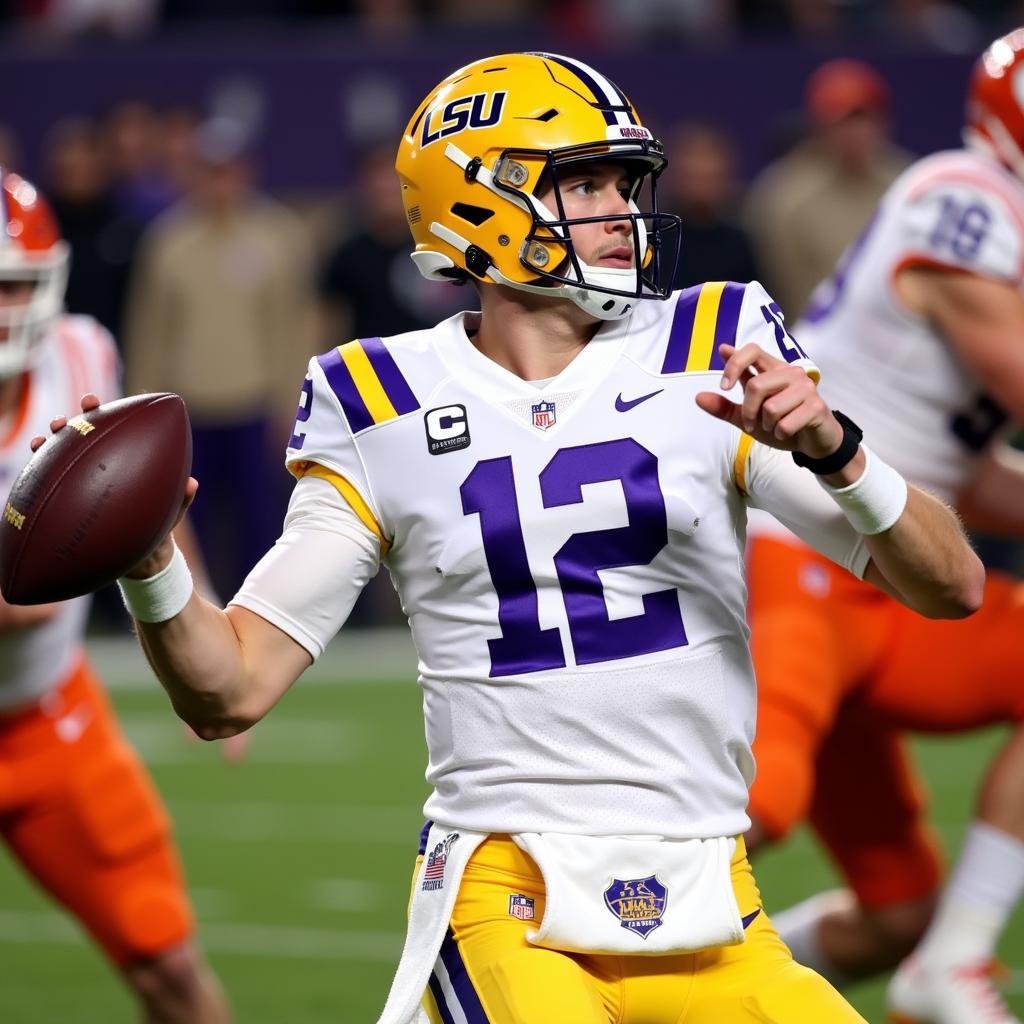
[642, 896]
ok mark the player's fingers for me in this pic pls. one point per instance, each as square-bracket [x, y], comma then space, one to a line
[90, 402]
[36, 443]
[739, 360]
[795, 393]
[789, 426]
[58, 423]
[720, 407]
[814, 416]
[191, 488]
[762, 387]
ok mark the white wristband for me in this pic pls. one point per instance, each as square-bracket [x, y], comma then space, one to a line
[874, 501]
[160, 597]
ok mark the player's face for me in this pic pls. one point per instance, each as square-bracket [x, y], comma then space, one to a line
[596, 190]
[12, 295]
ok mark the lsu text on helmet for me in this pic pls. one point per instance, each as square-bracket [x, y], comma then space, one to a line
[31, 251]
[495, 133]
[995, 102]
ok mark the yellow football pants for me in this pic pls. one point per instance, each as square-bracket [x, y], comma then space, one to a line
[488, 973]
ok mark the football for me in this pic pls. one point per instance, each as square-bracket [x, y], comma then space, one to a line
[95, 499]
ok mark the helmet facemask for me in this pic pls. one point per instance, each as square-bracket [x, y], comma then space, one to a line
[24, 326]
[548, 250]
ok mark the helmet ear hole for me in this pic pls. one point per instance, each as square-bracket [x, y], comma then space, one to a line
[476, 215]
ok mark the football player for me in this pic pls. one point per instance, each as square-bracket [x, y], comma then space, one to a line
[558, 485]
[77, 809]
[919, 336]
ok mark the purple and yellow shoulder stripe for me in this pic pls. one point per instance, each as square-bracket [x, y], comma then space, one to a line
[367, 381]
[705, 316]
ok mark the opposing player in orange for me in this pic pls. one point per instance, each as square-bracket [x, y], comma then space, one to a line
[76, 806]
[920, 338]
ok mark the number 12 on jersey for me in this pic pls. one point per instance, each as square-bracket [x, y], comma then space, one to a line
[490, 492]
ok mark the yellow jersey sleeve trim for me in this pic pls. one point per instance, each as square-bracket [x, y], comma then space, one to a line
[374, 397]
[349, 493]
[702, 338]
[739, 465]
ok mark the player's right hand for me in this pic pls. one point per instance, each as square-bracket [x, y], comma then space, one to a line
[161, 554]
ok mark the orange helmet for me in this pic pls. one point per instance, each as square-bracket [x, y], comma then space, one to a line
[31, 250]
[494, 133]
[995, 102]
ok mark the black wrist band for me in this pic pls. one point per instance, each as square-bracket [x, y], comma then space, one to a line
[852, 435]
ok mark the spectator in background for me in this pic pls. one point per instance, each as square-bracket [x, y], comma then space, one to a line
[368, 286]
[219, 312]
[103, 237]
[700, 186]
[805, 208]
[133, 133]
[176, 150]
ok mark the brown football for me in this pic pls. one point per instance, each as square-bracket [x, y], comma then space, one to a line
[95, 499]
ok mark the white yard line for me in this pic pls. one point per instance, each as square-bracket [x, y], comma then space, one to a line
[266, 821]
[359, 655]
[52, 928]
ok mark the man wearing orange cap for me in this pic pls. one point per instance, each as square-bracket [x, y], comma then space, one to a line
[804, 209]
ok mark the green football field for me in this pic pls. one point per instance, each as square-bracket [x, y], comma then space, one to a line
[299, 857]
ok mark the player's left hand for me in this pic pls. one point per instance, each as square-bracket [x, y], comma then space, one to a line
[781, 405]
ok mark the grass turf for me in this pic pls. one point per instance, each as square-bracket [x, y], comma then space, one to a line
[299, 860]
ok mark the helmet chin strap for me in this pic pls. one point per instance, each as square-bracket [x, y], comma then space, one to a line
[597, 304]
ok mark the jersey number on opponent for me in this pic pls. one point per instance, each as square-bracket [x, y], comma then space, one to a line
[490, 492]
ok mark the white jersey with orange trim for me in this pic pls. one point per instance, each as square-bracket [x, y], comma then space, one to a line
[888, 369]
[76, 357]
[569, 557]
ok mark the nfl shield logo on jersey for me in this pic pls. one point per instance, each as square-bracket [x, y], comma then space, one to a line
[638, 903]
[520, 906]
[543, 415]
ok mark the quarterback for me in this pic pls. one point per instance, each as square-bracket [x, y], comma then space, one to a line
[558, 486]
[919, 337]
[77, 809]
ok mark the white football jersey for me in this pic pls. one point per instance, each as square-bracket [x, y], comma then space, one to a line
[570, 560]
[77, 356]
[920, 408]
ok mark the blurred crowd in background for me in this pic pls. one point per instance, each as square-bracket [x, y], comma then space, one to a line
[956, 24]
[221, 292]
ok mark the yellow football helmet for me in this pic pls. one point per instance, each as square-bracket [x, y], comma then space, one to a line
[483, 143]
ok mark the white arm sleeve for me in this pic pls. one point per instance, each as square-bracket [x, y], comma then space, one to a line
[776, 484]
[307, 583]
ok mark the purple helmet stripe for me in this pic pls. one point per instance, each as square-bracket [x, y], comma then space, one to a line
[600, 100]
[462, 985]
[727, 321]
[344, 387]
[681, 332]
[390, 376]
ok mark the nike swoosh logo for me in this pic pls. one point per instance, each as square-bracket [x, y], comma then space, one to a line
[749, 919]
[622, 405]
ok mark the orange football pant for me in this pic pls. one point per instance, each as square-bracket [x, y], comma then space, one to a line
[77, 809]
[842, 670]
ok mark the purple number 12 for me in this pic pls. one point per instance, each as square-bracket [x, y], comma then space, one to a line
[489, 491]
